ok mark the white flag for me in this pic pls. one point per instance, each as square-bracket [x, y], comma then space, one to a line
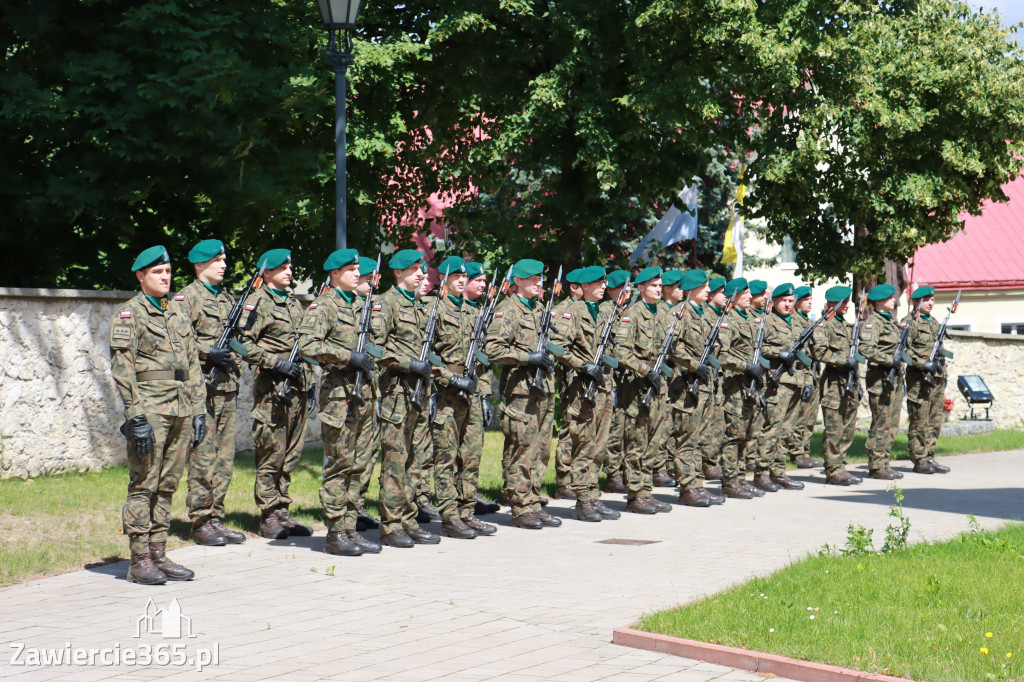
[675, 226]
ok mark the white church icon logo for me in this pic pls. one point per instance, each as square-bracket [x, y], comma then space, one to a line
[169, 623]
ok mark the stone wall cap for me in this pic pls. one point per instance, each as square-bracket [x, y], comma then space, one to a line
[967, 336]
[94, 294]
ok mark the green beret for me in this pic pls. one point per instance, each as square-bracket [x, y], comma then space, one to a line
[693, 279]
[716, 284]
[450, 265]
[275, 258]
[594, 273]
[735, 286]
[617, 278]
[881, 292]
[366, 266]
[206, 250]
[154, 255]
[406, 258]
[786, 289]
[802, 292]
[671, 277]
[527, 267]
[922, 292]
[571, 277]
[647, 274]
[474, 270]
[757, 287]
[340, 258]
[837, 294]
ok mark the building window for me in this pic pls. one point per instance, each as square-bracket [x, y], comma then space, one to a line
[959, 327]
[788, 254]
[1013, 328]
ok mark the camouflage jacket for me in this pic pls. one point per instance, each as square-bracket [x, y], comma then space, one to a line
[830, 346]
[919, 347]
[208, 314]
[780, 334]
[513, 335]
[738, 344]
[577, 333]
[805, 375]
[270, 325]
[484, 375]
[879, 336]
[155, 361]
[454, 329]
[398, 323]
[329, 332]
[638, 340]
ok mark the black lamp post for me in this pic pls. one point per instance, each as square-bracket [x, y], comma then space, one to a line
[340, 20]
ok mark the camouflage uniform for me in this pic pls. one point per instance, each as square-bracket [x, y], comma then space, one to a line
[467, 465]
[924, 400]
[269, 329]
[422, 469]
[753, 453]
[743, 419]
[783, 398]
[661, 416]
[526, 417]
[798, 426]
[604, 414]
[710, 432]
[328, 334]
[831, 346]
[155, 366]
[879, 337]
[688, 411]
[398, 329]
[563, 376]
[637, 343]
[367, 439]
[210, 465]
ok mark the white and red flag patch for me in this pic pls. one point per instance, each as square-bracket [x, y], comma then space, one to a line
[126, 314]
[567, 316]
[376, 308]
[499, 314]
[312, 306]
[179, 297]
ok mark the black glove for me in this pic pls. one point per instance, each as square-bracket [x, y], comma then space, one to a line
[931, 367]
[289, 369]
[787, 358]
[593, 370]
[140, 434]
[198, 429]
[850, 363]
[704, 373]
[653, 379]
[464, 384]
[220, 356]
[420, 368]
[754, 370]
[361, 360]
[487, 409]
[541, 360]
[807, 393]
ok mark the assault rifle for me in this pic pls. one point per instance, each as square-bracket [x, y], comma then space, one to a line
[666, 347]
[752, 392]
[900, 355]
[285, 386]
[853, 381]
[363, 343]
[480, 327]
[795, 349]
[428, 342]
[706, 358]
[937, 348]
[231, 328]
[606, 336]
[545, 331]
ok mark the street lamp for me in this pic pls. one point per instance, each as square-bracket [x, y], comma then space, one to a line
[340, 20]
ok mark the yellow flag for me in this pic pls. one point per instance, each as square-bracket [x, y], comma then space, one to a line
[734, 233]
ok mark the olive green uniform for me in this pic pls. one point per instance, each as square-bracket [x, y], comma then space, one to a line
[924, 400]
[563, 377]
[879, 337]
[467, 465]
[689, 411]
[270, 327]
[711, 429]
[830, 346]
[661, 416]
[782, 398]
[155, 366]
[798, 426]
[743, 418]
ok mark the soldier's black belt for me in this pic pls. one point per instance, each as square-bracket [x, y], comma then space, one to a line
[161, 375]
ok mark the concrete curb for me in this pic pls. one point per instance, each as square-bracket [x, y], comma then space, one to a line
[753, 661]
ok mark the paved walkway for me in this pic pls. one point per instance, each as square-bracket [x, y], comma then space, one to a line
[522, 605]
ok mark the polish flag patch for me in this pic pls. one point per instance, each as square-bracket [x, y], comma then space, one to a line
[567, 316]
[499, 314]
[552, 314]
[821, 324]
[904, 324]
[625, 319]
[376, 308]
[250, 306]
[179, 298]
[868, 326]
[126, 314]
[757, 320]
[724, 325]
[312, 306]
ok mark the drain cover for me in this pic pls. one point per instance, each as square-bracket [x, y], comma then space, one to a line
[627, 541]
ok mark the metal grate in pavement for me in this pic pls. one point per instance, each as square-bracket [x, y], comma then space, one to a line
[626, 541]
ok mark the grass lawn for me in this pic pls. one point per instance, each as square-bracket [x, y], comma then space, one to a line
[934, 612]
[55, 524]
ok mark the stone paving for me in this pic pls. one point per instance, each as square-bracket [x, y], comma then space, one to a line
[522, 605]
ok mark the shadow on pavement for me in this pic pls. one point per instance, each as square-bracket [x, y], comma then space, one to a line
[1001, 503]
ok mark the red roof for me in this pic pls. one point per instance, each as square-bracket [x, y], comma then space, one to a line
[988, 254]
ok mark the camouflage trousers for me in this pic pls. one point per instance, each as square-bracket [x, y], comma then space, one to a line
[886, 406]
[639, 477]
[397, 495]
[657, 453]
[711, 433]
[926, 415]
[467, 466]
[368, 442]
[688, 414]
[526, 423]
[211, 464]
[796, 440]
[563, 453]
[423, 462]
[345, 463]
[581, 427]
[279, 432]
[152, 480]
[783, 401]
[614, 454]
[453, 432]
[839, 416]
[603, 418]
[743, 422]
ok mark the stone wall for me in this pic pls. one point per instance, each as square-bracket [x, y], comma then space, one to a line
[59, 408]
